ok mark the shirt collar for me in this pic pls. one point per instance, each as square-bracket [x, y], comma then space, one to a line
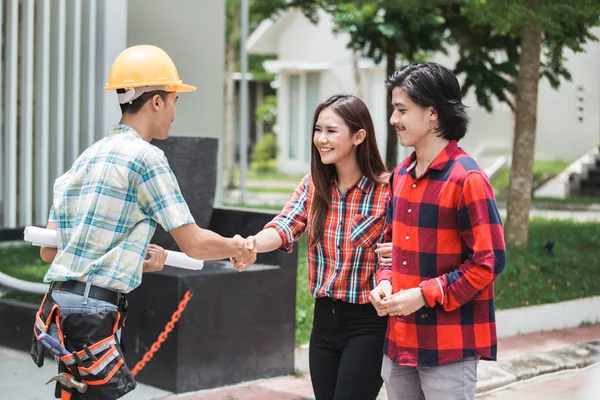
[439, 162]
[363, 183]
[121, 128]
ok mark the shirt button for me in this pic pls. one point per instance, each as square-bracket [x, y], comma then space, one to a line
[414, 185]
[423, 316]
[339, 247]
[407, 237]
[410, 210]
[404, 262]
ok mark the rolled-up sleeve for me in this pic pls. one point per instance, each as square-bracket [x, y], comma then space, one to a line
[291, 223]
[159, 195]
[384, 272]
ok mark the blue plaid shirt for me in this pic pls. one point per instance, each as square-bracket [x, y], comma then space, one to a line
[106, 208]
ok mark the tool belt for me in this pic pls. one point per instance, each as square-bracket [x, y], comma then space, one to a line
[95, 358]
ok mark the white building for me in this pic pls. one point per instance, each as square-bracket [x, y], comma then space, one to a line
[314, 64]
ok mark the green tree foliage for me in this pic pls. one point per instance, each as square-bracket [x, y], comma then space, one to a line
[547, 27]
[504, 47]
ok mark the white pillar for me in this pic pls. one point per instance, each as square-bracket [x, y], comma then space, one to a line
[73, 83]
[88, 77]
[111, 41]
[10, 122]
[57, 93]
[42, 112]
[26, 125]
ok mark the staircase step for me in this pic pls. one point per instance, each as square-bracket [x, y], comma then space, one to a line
[589, 192]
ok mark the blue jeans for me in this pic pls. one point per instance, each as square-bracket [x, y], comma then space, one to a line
[71, 303]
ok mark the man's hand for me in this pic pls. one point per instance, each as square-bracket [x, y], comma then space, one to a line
[248, 256]
[384, 250]
[155, 259]
[379, 294]
[404, 302]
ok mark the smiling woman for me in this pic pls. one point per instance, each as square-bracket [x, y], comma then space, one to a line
[341, 205]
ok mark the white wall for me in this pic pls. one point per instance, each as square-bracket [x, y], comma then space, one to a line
[193, 34]
[301, 40]
[557, 110]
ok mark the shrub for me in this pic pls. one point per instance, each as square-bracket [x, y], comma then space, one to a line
[264, 154]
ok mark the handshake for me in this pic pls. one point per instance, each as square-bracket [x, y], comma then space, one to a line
[246, 252]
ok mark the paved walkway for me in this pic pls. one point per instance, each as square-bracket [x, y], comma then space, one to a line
[20, 379]
[521, 357]
[582, 384]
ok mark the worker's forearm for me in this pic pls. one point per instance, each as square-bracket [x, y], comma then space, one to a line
[212, 246]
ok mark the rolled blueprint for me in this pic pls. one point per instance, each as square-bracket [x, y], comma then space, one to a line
[47, 237]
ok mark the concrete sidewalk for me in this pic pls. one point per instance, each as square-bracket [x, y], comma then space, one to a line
[579, 384]
[520, 358]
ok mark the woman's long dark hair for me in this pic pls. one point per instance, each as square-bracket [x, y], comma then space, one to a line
[356, 116]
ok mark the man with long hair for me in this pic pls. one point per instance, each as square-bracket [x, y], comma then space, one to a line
[447, 246]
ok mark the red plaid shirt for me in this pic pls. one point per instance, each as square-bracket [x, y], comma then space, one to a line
[342, 265]
[447, 237]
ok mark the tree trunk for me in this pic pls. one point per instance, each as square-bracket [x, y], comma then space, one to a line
[356, 72]
[230, 136]
[391, 152]
[521, 171]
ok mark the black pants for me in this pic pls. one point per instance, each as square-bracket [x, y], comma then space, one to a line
[345, 354]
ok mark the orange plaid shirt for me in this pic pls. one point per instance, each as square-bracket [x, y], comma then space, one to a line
[342, 265]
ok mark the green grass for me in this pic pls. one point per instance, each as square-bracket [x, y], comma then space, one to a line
[254, 207]
[570, 200]
[541, 170]
[268, 176]
[305, 303]
[23, 262]
[530, 277]
[570, 272]
[270, 190]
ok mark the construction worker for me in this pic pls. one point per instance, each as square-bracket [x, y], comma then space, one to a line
[105, 210]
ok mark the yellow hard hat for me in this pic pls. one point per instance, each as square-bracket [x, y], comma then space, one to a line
[145, 65]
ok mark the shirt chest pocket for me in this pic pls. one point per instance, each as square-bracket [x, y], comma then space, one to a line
[365, 230]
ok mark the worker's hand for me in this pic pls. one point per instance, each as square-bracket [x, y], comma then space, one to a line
[248, 257]
[379, 294]
[155, 259]
[384, 250]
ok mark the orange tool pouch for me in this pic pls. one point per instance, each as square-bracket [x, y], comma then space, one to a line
[96, 357]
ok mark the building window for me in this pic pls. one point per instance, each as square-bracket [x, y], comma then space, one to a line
[304, 97]
[294, 116]
[312, 101]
